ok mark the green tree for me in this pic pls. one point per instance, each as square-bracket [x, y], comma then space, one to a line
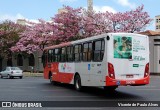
[9, 36]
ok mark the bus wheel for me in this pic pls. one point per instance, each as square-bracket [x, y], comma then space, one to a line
[110, 88]
[77, 83]
[51, 81]
[50, 78]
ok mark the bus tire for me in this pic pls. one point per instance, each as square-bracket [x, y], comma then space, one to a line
[50, 79]
[110, 88]
[77, 83]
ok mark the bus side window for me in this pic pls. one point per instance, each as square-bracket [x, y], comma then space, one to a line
[53, 55]
[78, 52]
[90, 51]
[49, 56]
[63, 54]
[98, 51]
[57, 54]
[69, 54]
[87, 51]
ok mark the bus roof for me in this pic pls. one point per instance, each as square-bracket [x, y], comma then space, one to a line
[89, 39]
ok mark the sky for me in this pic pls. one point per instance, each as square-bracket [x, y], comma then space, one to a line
[45, 9]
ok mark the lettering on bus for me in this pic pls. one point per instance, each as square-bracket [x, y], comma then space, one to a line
[139, 58]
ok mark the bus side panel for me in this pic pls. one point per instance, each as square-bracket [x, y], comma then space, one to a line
[65, 77]
[62, 72]
[46, 72]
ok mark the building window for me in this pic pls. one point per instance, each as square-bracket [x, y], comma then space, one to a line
[9, 62]
[156, 20]
[19, 60]
[156, 27]
[31, 60]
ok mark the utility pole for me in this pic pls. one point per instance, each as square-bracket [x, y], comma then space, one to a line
[90, 5]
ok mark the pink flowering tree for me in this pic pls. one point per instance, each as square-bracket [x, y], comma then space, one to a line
[130, 21]
[72, 24]
[94, 23]
[35, 37]
[67, 24]
[62, 28]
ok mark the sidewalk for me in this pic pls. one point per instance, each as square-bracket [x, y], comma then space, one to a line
[31, 74]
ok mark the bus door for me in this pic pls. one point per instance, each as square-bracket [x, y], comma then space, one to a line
[97, 66]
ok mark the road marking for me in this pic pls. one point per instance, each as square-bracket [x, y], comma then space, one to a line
[22, 87]
[137, 86]
[74, 108]
[68, 96]
[52, 90]
[149, 89]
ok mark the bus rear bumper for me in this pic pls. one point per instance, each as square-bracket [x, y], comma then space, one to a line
[136, 82]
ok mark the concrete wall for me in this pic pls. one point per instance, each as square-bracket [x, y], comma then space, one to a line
[154, 55]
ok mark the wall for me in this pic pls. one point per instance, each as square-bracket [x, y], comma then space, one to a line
[154, 54]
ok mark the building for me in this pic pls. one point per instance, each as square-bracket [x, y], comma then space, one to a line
[62, 10]
[21, 21]
[90, 5]
[154, 46]
[157, 23]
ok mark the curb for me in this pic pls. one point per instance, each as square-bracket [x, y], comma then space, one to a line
[28, 74]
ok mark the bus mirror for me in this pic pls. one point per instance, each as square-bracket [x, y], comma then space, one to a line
[108, 38]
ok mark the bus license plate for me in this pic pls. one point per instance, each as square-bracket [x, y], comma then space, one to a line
[129, 76]
[130, 82]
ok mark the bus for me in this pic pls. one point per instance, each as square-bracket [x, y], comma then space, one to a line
[108, 60]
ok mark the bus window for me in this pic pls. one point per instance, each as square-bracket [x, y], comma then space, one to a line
[90, 51]
[49, 56]
[57, 54]
[69, 56]
[98, 51]
[63, 54]
[87, 52]
[77, 52]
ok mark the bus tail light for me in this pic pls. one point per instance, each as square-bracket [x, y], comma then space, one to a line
[111, 71]
[146, 72]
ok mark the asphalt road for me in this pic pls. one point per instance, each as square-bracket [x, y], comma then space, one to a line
[39, 89]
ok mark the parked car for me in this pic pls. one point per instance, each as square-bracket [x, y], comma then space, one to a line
[11, 72]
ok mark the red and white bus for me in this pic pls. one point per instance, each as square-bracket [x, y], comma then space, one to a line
[108, 60]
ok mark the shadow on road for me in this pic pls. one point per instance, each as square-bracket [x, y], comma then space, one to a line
[99, 92]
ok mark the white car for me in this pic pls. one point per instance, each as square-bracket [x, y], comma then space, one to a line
[12, 72]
